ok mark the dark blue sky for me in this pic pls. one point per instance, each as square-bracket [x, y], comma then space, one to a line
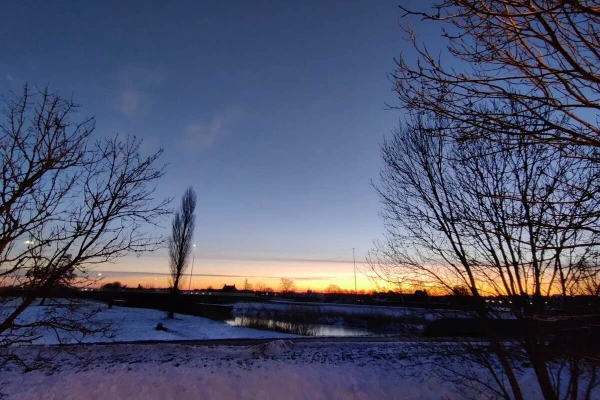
[272, 110]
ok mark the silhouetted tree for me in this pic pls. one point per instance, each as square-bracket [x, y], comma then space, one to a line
[538, 55]
[287, 285]
[333, 289]
[260, 287]
[420, 295]
[494, 214]
[180, 242]
[77, 202]
[520, 74]
[114, 285]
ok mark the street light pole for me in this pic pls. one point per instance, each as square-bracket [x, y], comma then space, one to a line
[354, 257]
[192, 271]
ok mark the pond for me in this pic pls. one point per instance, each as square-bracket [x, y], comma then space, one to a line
[298, 328]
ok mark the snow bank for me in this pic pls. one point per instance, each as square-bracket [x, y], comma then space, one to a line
[138, 324]
[134, 324]
[278, 370]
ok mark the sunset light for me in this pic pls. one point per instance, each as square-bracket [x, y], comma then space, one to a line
[240, 200]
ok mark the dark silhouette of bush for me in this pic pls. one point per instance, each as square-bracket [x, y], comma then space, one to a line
[113, 285]
[420, 296]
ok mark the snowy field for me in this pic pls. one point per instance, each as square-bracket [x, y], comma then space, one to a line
[280, 369]
[139, 323]
[277, 370]
[135, 324]
[132, 324]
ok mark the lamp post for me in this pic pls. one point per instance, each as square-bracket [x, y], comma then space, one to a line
[354, 258]
[192, 271]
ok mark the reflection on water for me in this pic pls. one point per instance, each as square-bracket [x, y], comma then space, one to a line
[298, 328]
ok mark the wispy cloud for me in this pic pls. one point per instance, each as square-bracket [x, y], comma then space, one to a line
[199, 135]
[137, 86]
[129, 102]
[9, 78]
[153, 273]
[214, 257]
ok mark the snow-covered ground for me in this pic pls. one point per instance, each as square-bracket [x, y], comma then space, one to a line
[138, 324]
[276, 370]
[134, 324]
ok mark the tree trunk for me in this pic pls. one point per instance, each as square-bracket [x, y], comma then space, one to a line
[592, 383]
[536, 356]
[575, 374]
[173, 301]
[500, 352]
[498, 348]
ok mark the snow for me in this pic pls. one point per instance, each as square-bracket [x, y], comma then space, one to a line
[135, 324]
[281, 368]
[275, 370]
[139, 324]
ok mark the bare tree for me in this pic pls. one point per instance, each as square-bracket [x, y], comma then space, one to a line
[180, 243]
[541, 55]
[247, 284]
[77, 202]
[500, 217]
[333, 289]
[589, 282]
[287, 285]
[521, 74]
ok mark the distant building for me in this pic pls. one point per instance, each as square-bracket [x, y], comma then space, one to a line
[229, 288]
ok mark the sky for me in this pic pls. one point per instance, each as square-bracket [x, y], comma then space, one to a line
[273, 111]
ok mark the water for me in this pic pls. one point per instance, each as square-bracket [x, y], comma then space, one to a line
[303, 329]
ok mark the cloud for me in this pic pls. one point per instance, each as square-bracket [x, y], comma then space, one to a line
[153, 273]
[129, 102]
[199, 135]
[137, 87]
[9, 78]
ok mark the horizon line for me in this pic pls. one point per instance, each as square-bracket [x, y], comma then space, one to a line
[143, 273]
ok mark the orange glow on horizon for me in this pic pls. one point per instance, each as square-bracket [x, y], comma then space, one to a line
[202, 282]
[152, 272]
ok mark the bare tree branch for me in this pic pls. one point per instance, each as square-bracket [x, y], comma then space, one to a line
[76, 203]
